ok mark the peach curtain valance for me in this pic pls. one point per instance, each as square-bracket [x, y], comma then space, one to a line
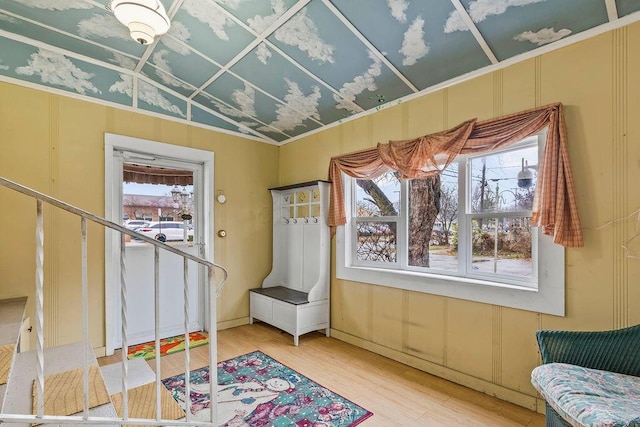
[554, 208]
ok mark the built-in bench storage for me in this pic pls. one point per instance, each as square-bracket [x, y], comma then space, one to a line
[295, 295]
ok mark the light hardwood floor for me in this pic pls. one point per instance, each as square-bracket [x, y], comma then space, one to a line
[397, 394]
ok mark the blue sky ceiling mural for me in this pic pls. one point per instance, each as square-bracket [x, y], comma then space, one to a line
[274, 70]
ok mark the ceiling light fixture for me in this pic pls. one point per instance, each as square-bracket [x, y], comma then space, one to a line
[145, 19]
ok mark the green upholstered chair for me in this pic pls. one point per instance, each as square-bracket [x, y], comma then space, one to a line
[614, 351]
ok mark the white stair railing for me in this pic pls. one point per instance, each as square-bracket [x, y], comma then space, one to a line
[85, 418]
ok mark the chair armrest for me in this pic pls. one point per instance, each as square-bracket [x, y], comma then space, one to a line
[615, 351]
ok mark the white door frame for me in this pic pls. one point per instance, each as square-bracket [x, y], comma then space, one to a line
[113, 212]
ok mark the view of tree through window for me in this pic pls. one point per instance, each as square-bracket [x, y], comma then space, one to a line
[488, 219]
[433, 219]
[377, 207]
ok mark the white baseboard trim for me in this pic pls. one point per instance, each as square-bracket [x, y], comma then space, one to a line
[521, 399]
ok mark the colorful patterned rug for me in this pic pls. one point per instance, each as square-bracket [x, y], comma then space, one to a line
[170, 345]
[256, 390]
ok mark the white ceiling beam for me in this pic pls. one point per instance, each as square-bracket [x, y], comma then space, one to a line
[295, 63]
[147, 53]
[368, 44]
[138, 77]
[73, 36]
[99, 101]
[190, 100]
[268, 95]
[287, 57]
[244, 52]
[145, 56]
[135, 77]
[474, 30]
[290, 59]
[171, 13]
[246, 116]
[100, 5]
[542, 50]
[247, 82]
[279, 22]
[612, 10]
[42, 45]
[173, 9]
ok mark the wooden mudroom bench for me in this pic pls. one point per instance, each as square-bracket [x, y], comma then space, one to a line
[289, 310]
[295, 295]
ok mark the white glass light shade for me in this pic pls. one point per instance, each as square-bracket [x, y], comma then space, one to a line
[145, 19]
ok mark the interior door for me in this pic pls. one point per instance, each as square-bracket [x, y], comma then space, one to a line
[155, 202]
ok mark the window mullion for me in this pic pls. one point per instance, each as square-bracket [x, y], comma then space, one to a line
[403, 226]
[464, 226]
[506, 214]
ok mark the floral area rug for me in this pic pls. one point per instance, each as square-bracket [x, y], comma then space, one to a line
[255, 390]
[170, 345]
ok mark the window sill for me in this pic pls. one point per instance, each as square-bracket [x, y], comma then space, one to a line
[548, 298]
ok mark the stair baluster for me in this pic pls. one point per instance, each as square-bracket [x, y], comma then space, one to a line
[40, 306]
[85, 417]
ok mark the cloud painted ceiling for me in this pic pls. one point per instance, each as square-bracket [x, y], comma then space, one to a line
[277, 69]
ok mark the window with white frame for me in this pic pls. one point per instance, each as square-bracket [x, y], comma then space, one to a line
[464, 233]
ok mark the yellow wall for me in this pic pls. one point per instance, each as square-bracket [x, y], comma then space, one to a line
[55, 145]
[487, 347]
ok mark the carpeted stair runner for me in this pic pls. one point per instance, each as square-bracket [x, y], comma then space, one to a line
[6, 356]
[64, 392]
[142, 403]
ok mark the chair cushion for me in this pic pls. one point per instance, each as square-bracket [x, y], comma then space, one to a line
[589, 397]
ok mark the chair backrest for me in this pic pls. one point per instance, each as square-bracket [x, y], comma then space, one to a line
[616, 350]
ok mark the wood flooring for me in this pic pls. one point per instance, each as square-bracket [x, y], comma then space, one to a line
[397, 394]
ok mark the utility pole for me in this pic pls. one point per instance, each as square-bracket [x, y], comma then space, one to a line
[482, 185]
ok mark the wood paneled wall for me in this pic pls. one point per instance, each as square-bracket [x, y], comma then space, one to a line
[488, 347]
[55, 144]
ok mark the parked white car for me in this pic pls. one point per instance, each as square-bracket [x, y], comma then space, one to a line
[165, 231]
[132, 224]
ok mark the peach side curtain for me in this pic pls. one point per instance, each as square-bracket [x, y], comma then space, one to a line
[365, 164]
[554, 209]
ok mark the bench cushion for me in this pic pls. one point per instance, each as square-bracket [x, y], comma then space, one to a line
[589, 397]
[283, 293]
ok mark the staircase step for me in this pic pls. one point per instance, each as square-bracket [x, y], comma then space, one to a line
[11, 317]
[139, 373]
[18, 399]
